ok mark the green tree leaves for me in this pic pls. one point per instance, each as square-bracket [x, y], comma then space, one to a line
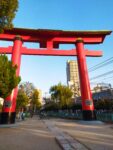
[62, 95]
[104, 104]
[35, 99]
[8, 78]
[22, 100]
[28, 95]
[8, 10]
[28, 88]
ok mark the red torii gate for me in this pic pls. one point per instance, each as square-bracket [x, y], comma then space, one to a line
[49, 41]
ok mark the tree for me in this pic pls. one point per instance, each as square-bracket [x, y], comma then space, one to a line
[51, 105]
[8, 78]
[22, 100]
[35, 100]
[104, 104]
[8, 9]
[61, 94]
[32, 94]
[28, 88]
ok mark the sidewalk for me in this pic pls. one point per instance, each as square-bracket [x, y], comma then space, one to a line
[31, 134]
[66, 141]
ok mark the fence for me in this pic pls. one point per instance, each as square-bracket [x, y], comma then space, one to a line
[108, 117]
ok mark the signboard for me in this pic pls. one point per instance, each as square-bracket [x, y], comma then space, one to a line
[7, 104]
[88, 102]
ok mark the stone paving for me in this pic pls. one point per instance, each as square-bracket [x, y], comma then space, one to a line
[65, 141]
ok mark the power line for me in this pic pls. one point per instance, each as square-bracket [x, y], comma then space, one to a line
[106, 81]
[104, 63]
[101, 62]
[101, 75]
[108, 78]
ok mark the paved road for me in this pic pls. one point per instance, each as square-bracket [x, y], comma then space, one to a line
[35, 134]
[95, 136]
[31, 134]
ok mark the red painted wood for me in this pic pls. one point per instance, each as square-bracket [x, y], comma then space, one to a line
[16, 59]
[50, 52]
[57, 36]
[84, 79]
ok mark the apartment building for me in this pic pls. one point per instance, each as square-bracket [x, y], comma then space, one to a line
[73, 77]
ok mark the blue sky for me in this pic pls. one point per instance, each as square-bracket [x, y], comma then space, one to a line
[45, 71]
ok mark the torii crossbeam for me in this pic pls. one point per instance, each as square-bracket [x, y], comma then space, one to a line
[49, 41]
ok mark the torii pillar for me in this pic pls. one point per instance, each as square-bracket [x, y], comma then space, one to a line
[9, 107]
[87, 101]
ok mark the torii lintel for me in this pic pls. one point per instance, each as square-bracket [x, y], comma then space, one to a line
[50, 52]
[54, 37]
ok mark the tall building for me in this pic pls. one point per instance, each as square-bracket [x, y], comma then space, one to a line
[73, 77]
